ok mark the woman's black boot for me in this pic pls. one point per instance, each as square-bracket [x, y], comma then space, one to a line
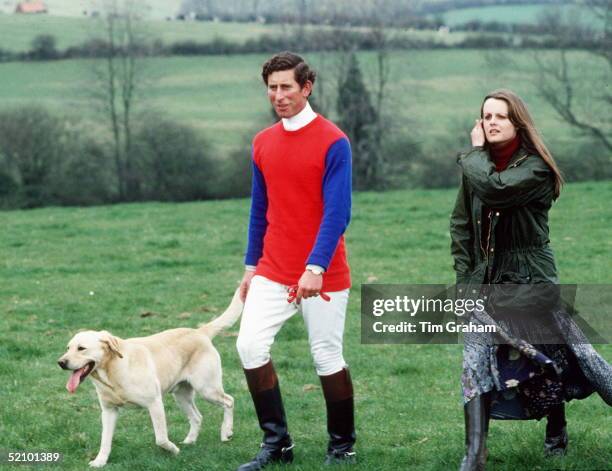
[277, 446]
[477, 413]
[556, 440]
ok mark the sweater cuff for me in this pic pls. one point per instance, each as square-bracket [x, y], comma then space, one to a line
[318, 260]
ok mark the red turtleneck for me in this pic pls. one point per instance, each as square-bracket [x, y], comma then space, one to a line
[501, 155]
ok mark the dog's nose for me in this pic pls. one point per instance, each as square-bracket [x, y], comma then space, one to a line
[62, 364]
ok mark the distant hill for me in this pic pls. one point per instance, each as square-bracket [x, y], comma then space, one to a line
[387, 9]
[153, 9]
[440, 6]
[516, 14]
[318, 11]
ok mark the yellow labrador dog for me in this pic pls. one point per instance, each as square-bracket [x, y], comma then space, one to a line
[140, 370]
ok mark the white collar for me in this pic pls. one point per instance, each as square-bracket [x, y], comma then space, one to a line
[299, 120]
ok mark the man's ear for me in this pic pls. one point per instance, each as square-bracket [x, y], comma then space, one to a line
[111, 342]
[307, 89]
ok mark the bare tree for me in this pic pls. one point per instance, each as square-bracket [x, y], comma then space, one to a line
[302, 9]
[380, 124]
[321, 98]
[558, 86]
[362, 107]
[255, 8]
[119, 77]
[601, 9]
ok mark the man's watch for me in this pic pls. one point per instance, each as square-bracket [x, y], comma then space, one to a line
[315, 269]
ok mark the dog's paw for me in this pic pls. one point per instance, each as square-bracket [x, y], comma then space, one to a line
[188, 441]
[97, 463]
[226, 435]
[171, 447]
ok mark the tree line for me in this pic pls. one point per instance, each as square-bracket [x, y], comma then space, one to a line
[44, 46]
[50, 159]
[409, 14]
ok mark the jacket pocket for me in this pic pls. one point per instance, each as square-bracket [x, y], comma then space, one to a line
[514, 278]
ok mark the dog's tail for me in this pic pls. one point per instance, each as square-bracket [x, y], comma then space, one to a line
[225, 320]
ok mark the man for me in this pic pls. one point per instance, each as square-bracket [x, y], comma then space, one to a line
[300, 208]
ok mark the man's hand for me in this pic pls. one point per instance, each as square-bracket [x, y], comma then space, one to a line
[245, 284]
[477, 135]
[308, 286]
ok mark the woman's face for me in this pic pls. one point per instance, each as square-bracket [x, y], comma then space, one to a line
[497, 126]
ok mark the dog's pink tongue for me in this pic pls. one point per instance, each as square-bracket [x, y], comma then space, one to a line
[74, 381]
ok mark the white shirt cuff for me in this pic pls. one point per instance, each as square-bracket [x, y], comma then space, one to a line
[315, 267]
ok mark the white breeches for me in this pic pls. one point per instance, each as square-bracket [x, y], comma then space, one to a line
[265, 311]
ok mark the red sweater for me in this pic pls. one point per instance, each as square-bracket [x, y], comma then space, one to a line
[293, 165]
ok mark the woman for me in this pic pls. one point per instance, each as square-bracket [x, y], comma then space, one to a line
[499, 231]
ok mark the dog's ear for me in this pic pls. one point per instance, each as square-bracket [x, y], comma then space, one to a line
[111, 342]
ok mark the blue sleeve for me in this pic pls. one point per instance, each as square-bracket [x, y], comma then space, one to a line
[336, 203]
[257, 221]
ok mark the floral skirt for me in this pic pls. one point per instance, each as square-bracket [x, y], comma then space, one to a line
[526, 381]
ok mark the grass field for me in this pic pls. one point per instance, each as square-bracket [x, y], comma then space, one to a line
[514, 14]
[18, 31]
[432, 94]
[70, 268]
[158, 9]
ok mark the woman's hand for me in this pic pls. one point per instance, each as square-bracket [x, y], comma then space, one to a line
[477, 134]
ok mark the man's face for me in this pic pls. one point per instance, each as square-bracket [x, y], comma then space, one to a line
[285, 94]
[497, 126]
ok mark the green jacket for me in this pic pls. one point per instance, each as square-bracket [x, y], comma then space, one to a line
[516, 201]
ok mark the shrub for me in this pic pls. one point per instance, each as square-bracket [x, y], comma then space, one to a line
[83, 176]
[43, 48]
[174, 162]
[30, 145]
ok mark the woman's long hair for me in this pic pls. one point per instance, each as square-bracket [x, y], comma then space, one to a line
[530, 137]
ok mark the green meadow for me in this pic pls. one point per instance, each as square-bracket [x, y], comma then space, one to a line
[159, 9]
[137, 269]
[514, 14]
[433, 95]
[17, 31]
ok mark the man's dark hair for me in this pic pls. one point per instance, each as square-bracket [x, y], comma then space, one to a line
[286, 61]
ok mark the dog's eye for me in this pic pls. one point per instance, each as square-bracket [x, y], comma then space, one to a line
[81, 349]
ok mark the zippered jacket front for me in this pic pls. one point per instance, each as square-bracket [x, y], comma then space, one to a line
[516, 202]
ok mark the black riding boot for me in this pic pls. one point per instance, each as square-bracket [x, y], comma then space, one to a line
[477, 413]
[277, 445]
[556, 440]
[338, 393]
